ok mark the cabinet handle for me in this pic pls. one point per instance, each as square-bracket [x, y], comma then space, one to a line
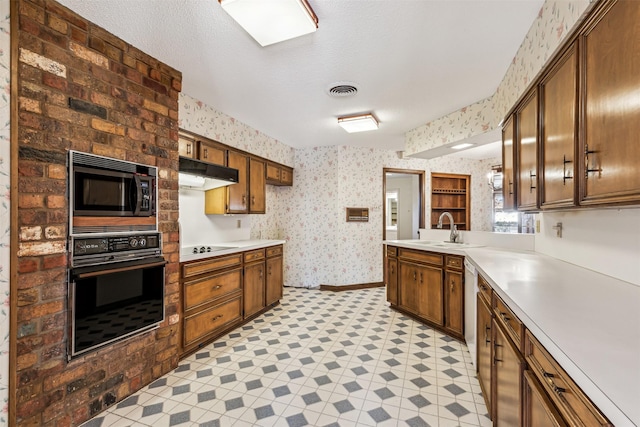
[261, 273]
[244, 200]
[188, 148]
[216, 287]
[415, 275]
[495, 353]
[531, 186]
[451, 285]
[486, 334]
[505, 317]
[510, 188]
[206, 153]
[586, 162]
[392, 272]
[218, 317]
[558, 390]
[253, 200]
[564, 169]
[421, 277]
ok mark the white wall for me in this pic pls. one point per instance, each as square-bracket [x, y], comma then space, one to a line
[408, 206]
[604, 240]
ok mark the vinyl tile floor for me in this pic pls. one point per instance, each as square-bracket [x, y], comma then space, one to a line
[318, 359]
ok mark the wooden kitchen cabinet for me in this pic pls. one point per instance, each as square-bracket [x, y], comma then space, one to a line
[508, 170]
[237, 193]
[187, 146]
[527, 153]
[559, 115]
[539, 411]
[257, 186]
[392, 275]
[484, 347]
[279, 174]
[454, 296]
[212, 152]
[610, 149]
[420, 289]
[254, 282]
[274, 280]
[508, 367]
[211, 298]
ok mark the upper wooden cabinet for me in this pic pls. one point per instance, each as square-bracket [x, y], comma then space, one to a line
[257, 188]
[237, 193]
[508, 170]
[279, 174]
[589, 116]
[186, 146]
[559, 114]
[611, 146]
[212, 152]
[527, 153]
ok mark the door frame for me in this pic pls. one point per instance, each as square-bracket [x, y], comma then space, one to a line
[421, 198]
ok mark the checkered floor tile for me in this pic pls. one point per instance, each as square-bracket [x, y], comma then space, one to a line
[318, 359]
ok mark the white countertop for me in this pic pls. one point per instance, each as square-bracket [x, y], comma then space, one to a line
[232, 247]
[589, 322]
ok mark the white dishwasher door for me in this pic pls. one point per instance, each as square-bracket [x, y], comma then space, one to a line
[470, 291]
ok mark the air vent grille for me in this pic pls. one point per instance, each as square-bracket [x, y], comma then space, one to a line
[342, 89]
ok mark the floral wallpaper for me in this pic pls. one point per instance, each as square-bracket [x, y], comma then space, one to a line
[555, 21]
[5, 216]
[322, 248]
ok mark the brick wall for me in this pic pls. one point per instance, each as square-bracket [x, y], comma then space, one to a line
[84, 89]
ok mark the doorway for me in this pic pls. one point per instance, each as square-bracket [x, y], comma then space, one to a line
[403, 204]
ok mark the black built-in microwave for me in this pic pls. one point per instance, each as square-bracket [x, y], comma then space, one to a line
[101, 186]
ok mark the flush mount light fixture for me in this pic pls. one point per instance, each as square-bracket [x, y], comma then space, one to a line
[461, 146]
[274, 21]
[359, 123]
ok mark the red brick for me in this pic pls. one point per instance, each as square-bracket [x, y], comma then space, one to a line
[54, 261]
[26, 201]
[28, 265]
[54, 81]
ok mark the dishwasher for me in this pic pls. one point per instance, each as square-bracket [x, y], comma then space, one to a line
[470, 291]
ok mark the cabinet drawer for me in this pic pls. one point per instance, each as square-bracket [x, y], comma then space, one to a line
[484, 289]
[200, 267]
[254, 255]
[511, 323]
[571, 402]
[420, 256]
[274, 251]
[392, 251]
[208, 288]
[454, 262]
[209, 321]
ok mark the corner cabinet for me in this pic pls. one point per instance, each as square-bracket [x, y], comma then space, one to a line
[221, 293]
[428, 286]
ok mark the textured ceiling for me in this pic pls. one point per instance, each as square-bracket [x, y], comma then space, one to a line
[412, 60]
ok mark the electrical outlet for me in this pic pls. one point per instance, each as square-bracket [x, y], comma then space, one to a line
[537, 225]
[239, 223]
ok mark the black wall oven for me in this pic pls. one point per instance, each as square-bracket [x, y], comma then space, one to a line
[116, 289]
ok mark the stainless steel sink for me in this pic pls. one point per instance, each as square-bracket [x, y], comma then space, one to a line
[447, 244]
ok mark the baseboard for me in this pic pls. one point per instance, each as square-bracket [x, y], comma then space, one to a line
[338, 288]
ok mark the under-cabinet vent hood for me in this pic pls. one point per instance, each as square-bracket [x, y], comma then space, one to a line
[203, 176]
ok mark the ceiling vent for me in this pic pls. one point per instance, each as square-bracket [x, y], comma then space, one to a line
[341, 89]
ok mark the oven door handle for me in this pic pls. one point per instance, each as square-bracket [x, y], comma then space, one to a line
[93, 272]
[136, 195]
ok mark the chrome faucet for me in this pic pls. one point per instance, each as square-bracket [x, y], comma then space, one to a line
[454, 230]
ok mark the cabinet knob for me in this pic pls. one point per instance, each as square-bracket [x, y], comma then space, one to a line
[206, 153]
[216, 287]
[218, 317]
[451, 285]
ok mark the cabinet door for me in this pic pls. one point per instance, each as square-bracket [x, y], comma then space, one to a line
[212, 153]
[274, 280]
[611, 148]
[559, 105]
[508, 172]
[286, 176]
[484, 343]
[257, 186]
[454, 302]
[527, 153]
[430, 295]
[392, 281]
[254, 289]
[186, 147]
[273, 174]
[539, 411]
[508, 366]
[237, 193]
[408, 286]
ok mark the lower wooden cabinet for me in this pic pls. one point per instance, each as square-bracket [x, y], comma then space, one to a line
[484, 346]
[220, 293]
[508, 365]
[427, 285]
[538, 409]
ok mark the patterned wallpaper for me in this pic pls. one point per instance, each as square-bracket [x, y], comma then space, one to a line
[5, 216]
[555, 20]
[322, 248]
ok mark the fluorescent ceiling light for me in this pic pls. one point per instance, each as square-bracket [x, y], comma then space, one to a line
[272, 21]
[461, 146]
[359, 123]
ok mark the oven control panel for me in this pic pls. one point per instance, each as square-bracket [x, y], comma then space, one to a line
[111, 244]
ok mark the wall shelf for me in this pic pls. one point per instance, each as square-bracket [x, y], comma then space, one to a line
[451, 193]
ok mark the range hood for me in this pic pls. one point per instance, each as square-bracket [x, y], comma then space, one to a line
[197, 175]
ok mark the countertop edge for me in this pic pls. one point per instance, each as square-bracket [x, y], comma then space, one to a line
[234, 247]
